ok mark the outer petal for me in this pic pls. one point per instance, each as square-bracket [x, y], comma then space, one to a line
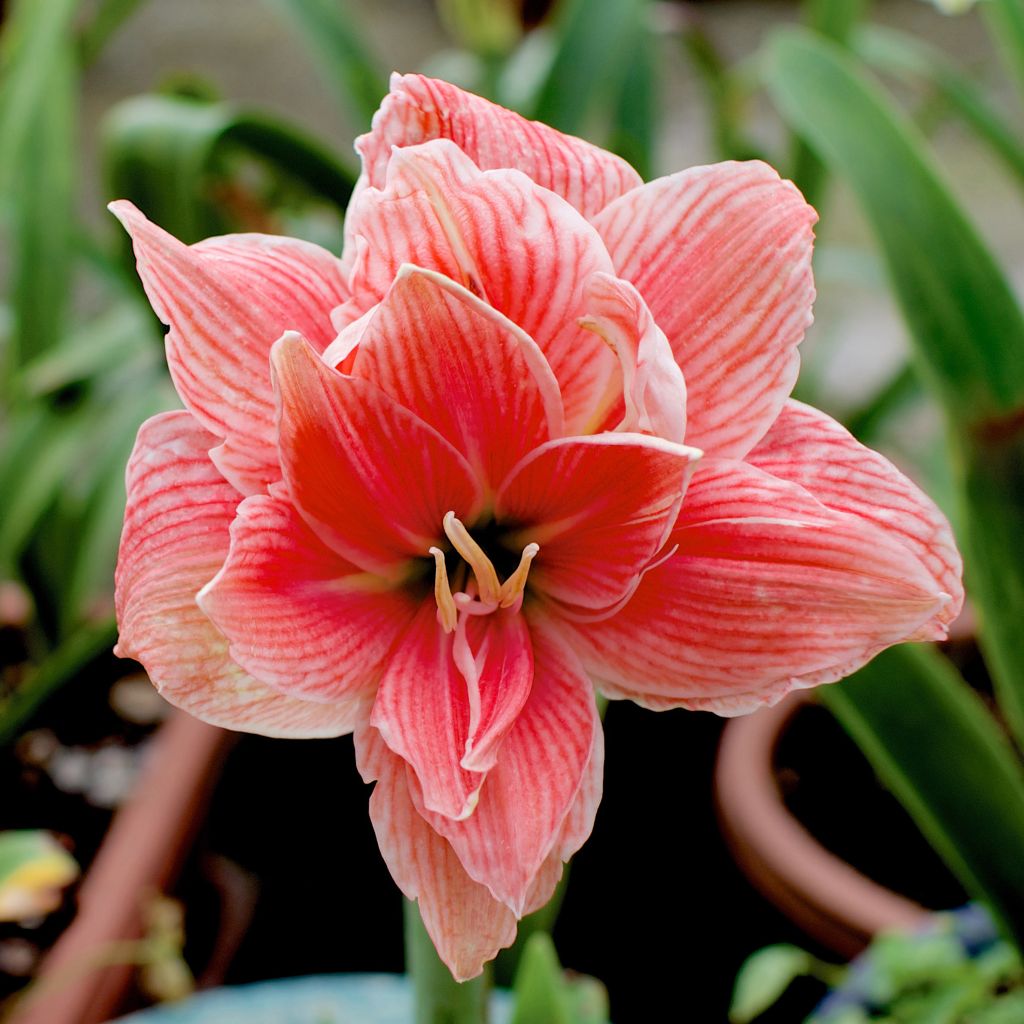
[600, 508]
[372, 480]
[518, 246]
[653, 388]
[470, 373]
[298, 616]
[466, 923]
[446, 718]
[811, 449]
[175, 538]
[768, 590]
[722, 256]
[227, 300]
[528, 796]
[418, 109]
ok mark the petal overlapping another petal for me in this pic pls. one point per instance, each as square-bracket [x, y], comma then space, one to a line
[722, 256]
[298, 616]
[175, 539]
[516, 245]
[528, 808]
[371, 479]
[768, 589]
[226, 301]
[600, 507]
[463, 368]
[418, 109]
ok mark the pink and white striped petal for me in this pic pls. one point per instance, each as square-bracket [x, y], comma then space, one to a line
[653, 389]
[446, 711]
[226, 301]
[463, 368]
[371, 479]
[175, 539]
[516, 245]
[768, 590]
[418, 109]
[811, 449]
[298, 616]
[722, 256]
[529, 794]
[464, 921]
[600, 507]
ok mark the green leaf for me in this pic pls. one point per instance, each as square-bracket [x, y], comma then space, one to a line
[634, 122]
[913, 60]
[107, 19]
[340, 50]
[596, 41]
[1004, 20]
[540, 988]
[160, 152]
[34, 868]
[933, 743]
[762, 979]
[968, 326]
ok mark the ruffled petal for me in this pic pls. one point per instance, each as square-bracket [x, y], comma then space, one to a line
[465, 922]
[445, 717]
[722, 256]
[298, 616]
[463, 368]
[510, 242]
[175, 539]
[811, 449]
[418, 109]
[227, 300]
[600, 507]
[527, 799]
[767, 590]
[654, 392]
[372, 480]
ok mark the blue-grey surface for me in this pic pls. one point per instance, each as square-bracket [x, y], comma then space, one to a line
[322, 999]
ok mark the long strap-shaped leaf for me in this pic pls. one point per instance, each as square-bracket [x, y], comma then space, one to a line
[933, 743]
[966, 324]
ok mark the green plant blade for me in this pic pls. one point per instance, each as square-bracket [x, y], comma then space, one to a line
[341, 52]
[1004, 20]
[107, 19]
[934, 744]
[966, 324]
[540, 989]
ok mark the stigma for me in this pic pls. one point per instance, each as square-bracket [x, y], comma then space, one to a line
[490, 592]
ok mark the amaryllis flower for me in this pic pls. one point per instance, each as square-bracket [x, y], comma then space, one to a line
[530, 435]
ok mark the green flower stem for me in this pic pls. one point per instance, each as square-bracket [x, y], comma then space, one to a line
[439, 999]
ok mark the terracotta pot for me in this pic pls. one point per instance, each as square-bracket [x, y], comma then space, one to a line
[834, 903]
[142, 853]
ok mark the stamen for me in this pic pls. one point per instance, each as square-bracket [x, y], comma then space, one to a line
[512, 588]
[447, 612]
[473, 554]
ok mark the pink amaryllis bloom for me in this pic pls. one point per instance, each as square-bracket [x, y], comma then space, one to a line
[530, 435]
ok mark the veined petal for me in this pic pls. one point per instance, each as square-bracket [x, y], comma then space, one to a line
[516, 245]
[811, 449]
[600, 507]
[654, 391]
[768, 590]
[418, 109]
[298, 616]
[445, 711]
[464, 921]
[722, 256]
[175, 539]
[372, 480]
[226, 301]
[462, 367]
[531, 791]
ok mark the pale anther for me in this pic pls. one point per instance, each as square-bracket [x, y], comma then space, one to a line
[512, 588]
[473, 554]
[447, 613]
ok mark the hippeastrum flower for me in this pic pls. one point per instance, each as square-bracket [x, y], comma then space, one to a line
[434, 492]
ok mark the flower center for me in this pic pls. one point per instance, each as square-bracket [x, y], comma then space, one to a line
[491, 593]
